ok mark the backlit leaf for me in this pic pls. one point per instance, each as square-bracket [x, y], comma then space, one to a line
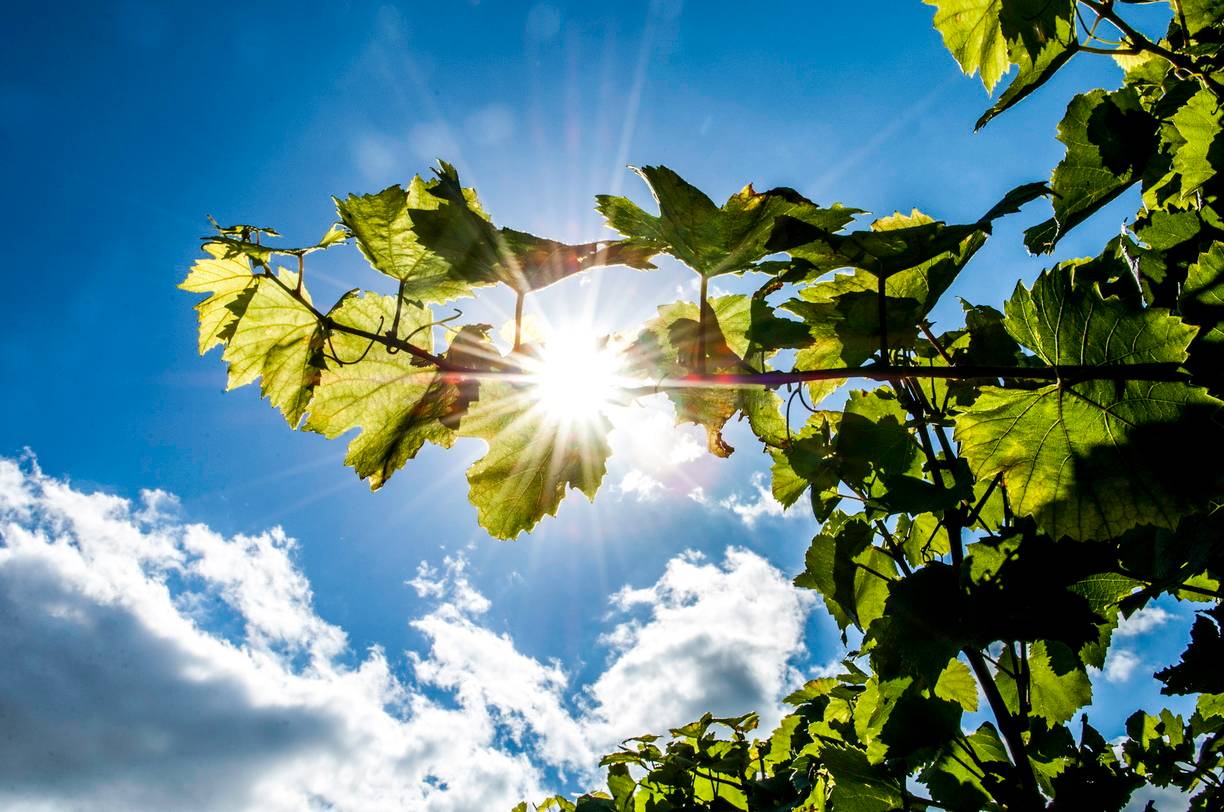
[226, 278]
[279, 341]
[397, 405]
[533, 458]
[1090, 459]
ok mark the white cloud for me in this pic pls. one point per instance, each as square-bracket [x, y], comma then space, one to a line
[1120, 663]
[116, 696]
[1160, 797]
[1143, 621]
[641, 486]
[646, 434]
[715, 637]
[156, 664]
[761, 504]
[375, 155]
[431, 139]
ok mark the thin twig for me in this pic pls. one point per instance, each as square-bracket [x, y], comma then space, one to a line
[926, 331]
[1106, 12]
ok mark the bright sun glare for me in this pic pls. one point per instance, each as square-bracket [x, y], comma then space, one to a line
[577, 376]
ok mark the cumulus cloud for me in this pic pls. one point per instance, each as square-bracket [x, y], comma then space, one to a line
[156, 664]
[641, 486]
[760, 504]
[1120, 664]
[1142, 622]
[716, 637]
[646, 434]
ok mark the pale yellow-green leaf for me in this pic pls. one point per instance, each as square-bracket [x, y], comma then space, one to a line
[1090, 459]
[1198, 122]
[956, 684]
[973, 32]
[396, 405]
[384, 231]
[225, 278]
[277, 340]
[533, 458]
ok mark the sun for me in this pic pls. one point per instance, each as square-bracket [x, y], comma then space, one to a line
[576, 375]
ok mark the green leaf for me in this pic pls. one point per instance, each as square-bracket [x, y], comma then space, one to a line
[859, 786]
[1201, 303]
[478, 252]
[957, 684]
[1109, 139]
[973, 31]
[922, 627]
[709, 239]
[385, 235]
[1058, 684]
[786, 484]
[227, 278]
[397, 405]
[1198, 123]
[807, 459]
[1033, 73]
[1104, 593]
[872, 438]
[246, 241]
[965, 773]
[278, 340]
[895, 243]
[897, 721]
[1091, 459]
[532, 459]
[812, 689]
[1163, 229]
[851, 575]
[1201, 14]
[668, 348]
[842, 313]
[1022, 587]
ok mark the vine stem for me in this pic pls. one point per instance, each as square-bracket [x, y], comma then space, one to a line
[882, 313]
[771, 380]
[519, 296]
[1008, 725]
[1105, 11]
[378, 338]
[879, 372]
[954, 523]
[930, 336]
[701, 326]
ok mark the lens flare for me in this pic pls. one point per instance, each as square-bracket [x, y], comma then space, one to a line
[576, 375]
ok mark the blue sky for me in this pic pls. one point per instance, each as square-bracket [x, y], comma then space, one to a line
[127, 123]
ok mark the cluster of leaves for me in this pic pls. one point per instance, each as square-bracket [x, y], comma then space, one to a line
[989, 514]
[1001, 526]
